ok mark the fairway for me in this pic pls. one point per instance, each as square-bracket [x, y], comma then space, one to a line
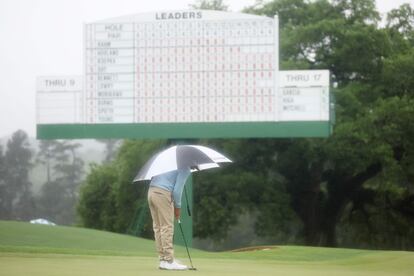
[44, 250]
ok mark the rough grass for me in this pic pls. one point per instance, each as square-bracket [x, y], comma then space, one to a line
[27, 249]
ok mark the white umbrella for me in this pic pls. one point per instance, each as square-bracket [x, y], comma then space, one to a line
[181, 157]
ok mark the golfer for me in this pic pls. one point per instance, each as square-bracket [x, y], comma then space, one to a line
[164, 200]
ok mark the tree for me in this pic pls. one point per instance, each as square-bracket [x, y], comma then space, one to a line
[45, 156]
[247, 187]
[382, 211]
[325, 177]
[97, 203]
[401, 21]
[108, 199]
[60, 192]
[16, 197]
[111, 146]
[209, 5]
[3, 185]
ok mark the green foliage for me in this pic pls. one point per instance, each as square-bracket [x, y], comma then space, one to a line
[247, 186]
[209, 5]
[218, 202]
[276, 218]
[132, 156]
[401, 21]
[111, 147]
[396, 78]
[108, 199]
[377, 225]
[357, 11]
[97, 200]
[369, 158]
[341, 36]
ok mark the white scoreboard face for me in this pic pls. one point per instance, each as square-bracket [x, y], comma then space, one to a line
[303, 95]
[59, 99]
[188, 66]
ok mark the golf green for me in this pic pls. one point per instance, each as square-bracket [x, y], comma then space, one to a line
[27, 249]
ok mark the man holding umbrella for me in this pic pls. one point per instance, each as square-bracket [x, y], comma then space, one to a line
[168, 171]
[164, 200]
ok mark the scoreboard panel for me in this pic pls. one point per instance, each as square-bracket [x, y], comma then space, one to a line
[184, 74]
[201, 66]
[59, 99]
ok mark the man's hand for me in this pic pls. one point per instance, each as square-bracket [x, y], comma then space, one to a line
[177, 213]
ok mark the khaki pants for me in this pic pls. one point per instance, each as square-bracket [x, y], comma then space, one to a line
[162, 212]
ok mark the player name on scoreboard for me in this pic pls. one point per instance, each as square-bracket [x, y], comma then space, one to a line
[201, 66]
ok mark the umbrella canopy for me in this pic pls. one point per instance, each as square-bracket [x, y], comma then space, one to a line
[180, 157]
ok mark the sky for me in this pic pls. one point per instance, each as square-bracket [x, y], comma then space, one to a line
[44, 38]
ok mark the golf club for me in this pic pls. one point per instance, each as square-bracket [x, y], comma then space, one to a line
[186, 247]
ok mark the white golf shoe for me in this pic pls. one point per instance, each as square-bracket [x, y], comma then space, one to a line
[172, 266]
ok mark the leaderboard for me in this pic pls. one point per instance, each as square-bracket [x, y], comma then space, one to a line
[185, 66]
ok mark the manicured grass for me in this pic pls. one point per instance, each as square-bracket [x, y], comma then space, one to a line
[23, 237]
[27, 249]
